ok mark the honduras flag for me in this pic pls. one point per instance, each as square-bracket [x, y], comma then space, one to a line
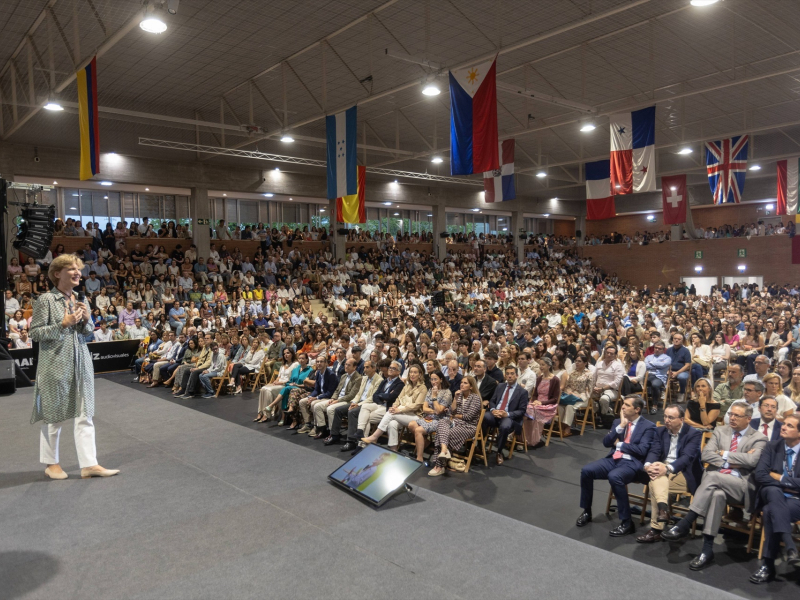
[473, 120]
[341, 145]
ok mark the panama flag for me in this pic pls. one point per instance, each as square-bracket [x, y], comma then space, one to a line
[787, 187]
[599, 199]
[633, 154]
[473, 120]
[341, 134]
[498, 185]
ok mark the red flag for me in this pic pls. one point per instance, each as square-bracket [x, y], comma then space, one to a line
[674, 199]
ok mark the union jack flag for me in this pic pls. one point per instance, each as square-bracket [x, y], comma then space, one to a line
[726, 162]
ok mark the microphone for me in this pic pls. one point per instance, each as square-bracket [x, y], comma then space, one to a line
[81, 299]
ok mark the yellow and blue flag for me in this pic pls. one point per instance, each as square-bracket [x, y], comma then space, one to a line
[87, 114]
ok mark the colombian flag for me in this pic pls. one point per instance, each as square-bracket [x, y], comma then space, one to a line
[351, 209]
[87, 114]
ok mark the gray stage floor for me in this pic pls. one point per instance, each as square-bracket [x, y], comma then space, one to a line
[208, 509]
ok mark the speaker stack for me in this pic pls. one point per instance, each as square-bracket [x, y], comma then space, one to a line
[35, 232]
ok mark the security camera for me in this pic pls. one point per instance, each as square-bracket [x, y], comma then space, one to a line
[172, 6]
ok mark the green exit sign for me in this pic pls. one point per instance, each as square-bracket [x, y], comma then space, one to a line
[698, 254]
[741, 252]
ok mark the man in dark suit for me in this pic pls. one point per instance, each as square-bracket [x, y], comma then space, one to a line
[506, 409]
[766, 423]
[486, 385]
[778, 478]
[324, 387]
[631, 439]
[673, 466]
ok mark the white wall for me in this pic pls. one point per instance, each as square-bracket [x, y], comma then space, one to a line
[743, 280]
[701, 284]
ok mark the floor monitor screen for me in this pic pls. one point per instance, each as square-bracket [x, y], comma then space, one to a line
[375, 473]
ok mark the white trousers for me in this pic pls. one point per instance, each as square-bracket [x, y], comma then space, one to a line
[392, 424]
[370, 414]
[84, 442]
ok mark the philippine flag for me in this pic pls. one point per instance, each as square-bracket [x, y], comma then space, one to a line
[473, 120]
[498, 185]
[599, 199]
[633, 156]
[341, 134]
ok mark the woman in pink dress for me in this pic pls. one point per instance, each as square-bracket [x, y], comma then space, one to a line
[543, 403]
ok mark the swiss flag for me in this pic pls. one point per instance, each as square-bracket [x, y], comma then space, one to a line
[673, 199]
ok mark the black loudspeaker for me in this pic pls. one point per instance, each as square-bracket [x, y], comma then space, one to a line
[35, 231]
[342, 231]
[577, 233]
[523, 236]
[443, 234]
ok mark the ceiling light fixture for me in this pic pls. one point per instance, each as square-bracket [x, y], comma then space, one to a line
[742, 267]
[755, 167]
[703, 2]
[277, 168]
[770, 206]
[150, 22]
[437, 160]
[387, 203]
[588, 126]
[541, 174]
[430, 214]
[55, 183]
[698, 269]
[556, 198]
[146, 189]
[105, 197]
[476, 210]
[396, 214]
[686, 150]
[287, 139]
[321, 210]
[431, 89]
[53, 105]
[546, 215]
[651, 218]
[268, 195]
[224, 194]
[106, 183]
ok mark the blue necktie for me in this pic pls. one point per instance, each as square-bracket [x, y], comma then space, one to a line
[787, 468]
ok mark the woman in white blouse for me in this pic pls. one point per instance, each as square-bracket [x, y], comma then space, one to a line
[701, 356]
[251, 363]
[266, 397]
[720, 354]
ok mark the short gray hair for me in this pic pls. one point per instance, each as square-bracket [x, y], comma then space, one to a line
[748, 408]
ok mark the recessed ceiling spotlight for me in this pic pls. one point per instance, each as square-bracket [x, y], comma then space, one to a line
[224, 194]
[703, 2]
[431, 89]
[146, 189]
[55, 183]
[151, 22]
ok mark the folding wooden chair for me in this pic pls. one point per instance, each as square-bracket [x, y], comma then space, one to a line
[220, 383]
[587, 410]
[523, 441]
[795, 535]
[641, 500]
[742, 526]
[477, 442]
[260, 376]
[556, 419]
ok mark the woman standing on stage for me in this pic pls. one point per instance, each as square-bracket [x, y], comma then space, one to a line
[64, 386]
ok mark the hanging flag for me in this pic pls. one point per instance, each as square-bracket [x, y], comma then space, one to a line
[599, 196]
[726, 162]
[674, 199]
[87, 120]
[787, 187]
[341, 132]
[633, 154]
[351, 209]
[498, 185]
[473, 120]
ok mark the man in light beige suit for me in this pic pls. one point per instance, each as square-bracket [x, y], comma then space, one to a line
[344, 393]
[732, 454]
[368, 383]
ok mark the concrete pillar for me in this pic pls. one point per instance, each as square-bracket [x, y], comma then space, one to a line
[338, 240]
[580, 225]
[439, 227]
[200, 208]
[518, 230]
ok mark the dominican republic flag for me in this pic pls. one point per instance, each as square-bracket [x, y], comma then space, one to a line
[599, 196]
[633, 154]
[341, 134]
[473, 120]
[726, 161]
[498, 185]
[787, 187]
[674, 199]
[87, 120]
[351, 209]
